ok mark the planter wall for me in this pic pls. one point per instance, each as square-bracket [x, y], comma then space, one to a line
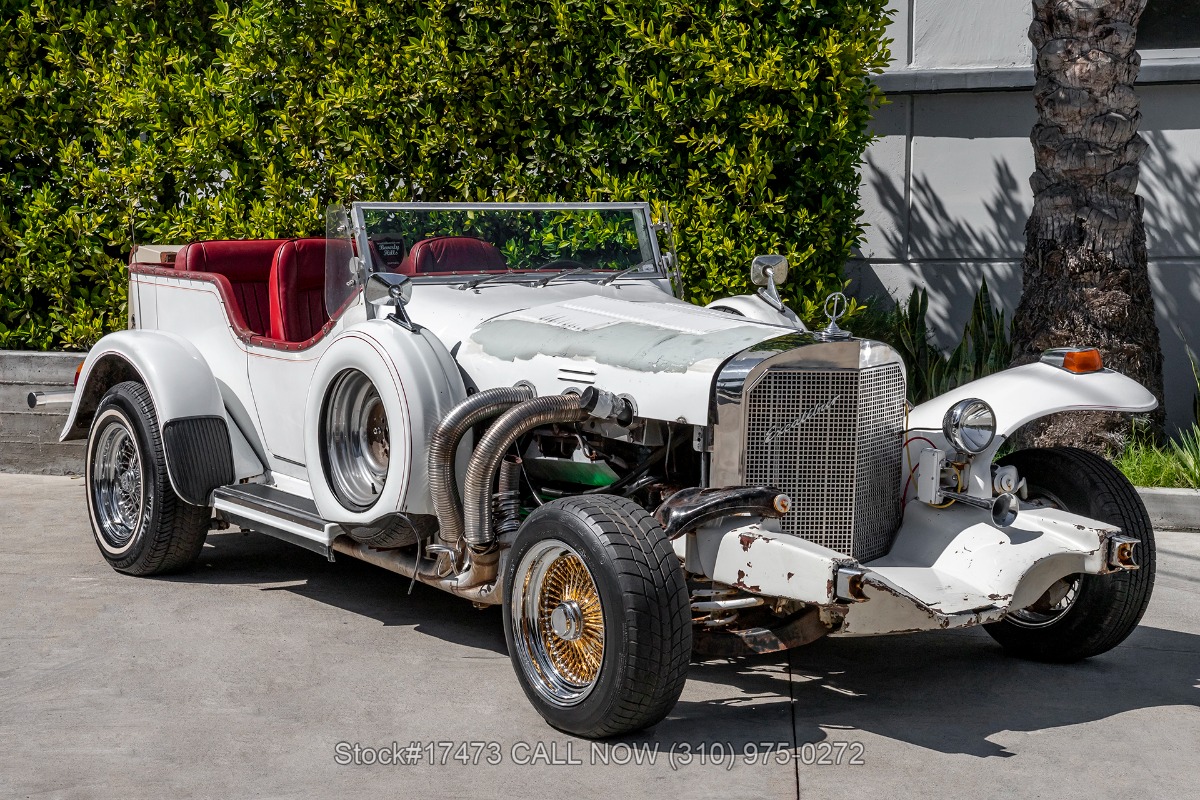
[29, 437]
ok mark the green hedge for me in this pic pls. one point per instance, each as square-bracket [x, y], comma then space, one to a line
[186, 120]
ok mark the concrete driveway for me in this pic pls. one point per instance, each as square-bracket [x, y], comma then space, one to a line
[256, 674]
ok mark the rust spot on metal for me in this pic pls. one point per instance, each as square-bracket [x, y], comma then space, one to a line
[747, 539]
[790, 575]
[741, 583]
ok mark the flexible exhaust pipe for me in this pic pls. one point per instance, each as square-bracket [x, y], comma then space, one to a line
[443, 445]
[478, 530]
[485, 461]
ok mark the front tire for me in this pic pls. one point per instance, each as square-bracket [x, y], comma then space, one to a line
[596, 616]
[1082, 615]
[140, 525]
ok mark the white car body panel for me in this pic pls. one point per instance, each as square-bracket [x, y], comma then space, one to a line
[947, 568]
[664, 355]
[754, 307]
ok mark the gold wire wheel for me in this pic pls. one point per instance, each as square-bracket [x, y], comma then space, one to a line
[559, 623]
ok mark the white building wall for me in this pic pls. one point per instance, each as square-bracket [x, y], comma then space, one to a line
[946, 186]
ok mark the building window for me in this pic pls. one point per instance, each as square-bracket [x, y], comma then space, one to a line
[1169, 25]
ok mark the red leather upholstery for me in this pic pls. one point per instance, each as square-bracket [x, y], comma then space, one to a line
[246, 265]
[297, 290]
[453, 254]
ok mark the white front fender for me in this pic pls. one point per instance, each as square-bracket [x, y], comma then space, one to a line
[1022, 394]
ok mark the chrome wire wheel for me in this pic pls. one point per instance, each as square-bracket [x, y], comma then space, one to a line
[559, 623]
[117, 485]
[1050, 607]
[357, 443]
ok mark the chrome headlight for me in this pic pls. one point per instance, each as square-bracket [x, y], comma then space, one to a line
[970, 425]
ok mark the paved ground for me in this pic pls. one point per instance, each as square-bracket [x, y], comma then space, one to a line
[241, 678]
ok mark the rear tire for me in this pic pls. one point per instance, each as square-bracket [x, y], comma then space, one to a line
[596, 616]
[1095, 612]
[140, 525]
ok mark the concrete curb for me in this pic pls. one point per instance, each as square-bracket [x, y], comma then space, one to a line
[1172, 509]
[29, 437]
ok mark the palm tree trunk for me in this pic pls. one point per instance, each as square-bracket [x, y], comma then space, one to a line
[1085, 276]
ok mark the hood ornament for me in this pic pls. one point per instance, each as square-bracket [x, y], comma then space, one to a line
[836, 306]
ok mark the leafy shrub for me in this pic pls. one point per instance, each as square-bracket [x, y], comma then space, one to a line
[184, 120]
[983, 349]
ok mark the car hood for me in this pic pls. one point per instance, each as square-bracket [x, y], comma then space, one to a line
[662, 354]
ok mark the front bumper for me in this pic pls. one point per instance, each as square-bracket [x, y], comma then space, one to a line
[948, 568]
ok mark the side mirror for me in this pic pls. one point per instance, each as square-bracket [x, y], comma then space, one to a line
[768, 270]
[388, 288]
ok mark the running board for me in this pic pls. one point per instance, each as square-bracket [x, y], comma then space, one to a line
[288, 517]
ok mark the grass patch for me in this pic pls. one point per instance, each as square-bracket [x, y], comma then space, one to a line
[1146, 464]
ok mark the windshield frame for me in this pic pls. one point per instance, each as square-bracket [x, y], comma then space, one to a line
[640, 210]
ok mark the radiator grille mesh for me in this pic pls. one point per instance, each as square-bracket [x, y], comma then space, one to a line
[831, 440]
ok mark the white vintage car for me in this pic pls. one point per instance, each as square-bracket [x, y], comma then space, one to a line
[510, 403]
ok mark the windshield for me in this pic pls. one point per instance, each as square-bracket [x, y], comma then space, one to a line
[427, 240]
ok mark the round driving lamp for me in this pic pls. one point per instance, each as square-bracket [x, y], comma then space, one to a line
[970, 425]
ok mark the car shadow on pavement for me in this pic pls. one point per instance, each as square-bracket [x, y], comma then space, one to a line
[946, 691]
[235, 557]
[952, 691]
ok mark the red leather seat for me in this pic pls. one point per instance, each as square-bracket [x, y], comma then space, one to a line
[247, 267]
[297, 290]
[453, 254]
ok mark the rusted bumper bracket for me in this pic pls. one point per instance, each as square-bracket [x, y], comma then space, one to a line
[1121, 553]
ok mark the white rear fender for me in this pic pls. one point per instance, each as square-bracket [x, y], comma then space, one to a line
[184, 392]
[418, 383]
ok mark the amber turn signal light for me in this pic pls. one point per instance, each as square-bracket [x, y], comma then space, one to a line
[1077, 360]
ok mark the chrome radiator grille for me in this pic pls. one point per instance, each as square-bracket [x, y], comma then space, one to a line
[831, 440]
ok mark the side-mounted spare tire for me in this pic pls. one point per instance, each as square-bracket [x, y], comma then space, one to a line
[1082, 615]
[140, 524]
[596, 616]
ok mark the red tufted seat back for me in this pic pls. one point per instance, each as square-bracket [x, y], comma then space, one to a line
[453, 254]
[297, 290]
[247, 267]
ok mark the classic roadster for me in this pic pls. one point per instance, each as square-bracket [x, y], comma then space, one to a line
[509, 402]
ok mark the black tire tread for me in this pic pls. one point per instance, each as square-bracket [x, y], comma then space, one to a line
[657, 613]
[175, 532]
[1124, 595]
